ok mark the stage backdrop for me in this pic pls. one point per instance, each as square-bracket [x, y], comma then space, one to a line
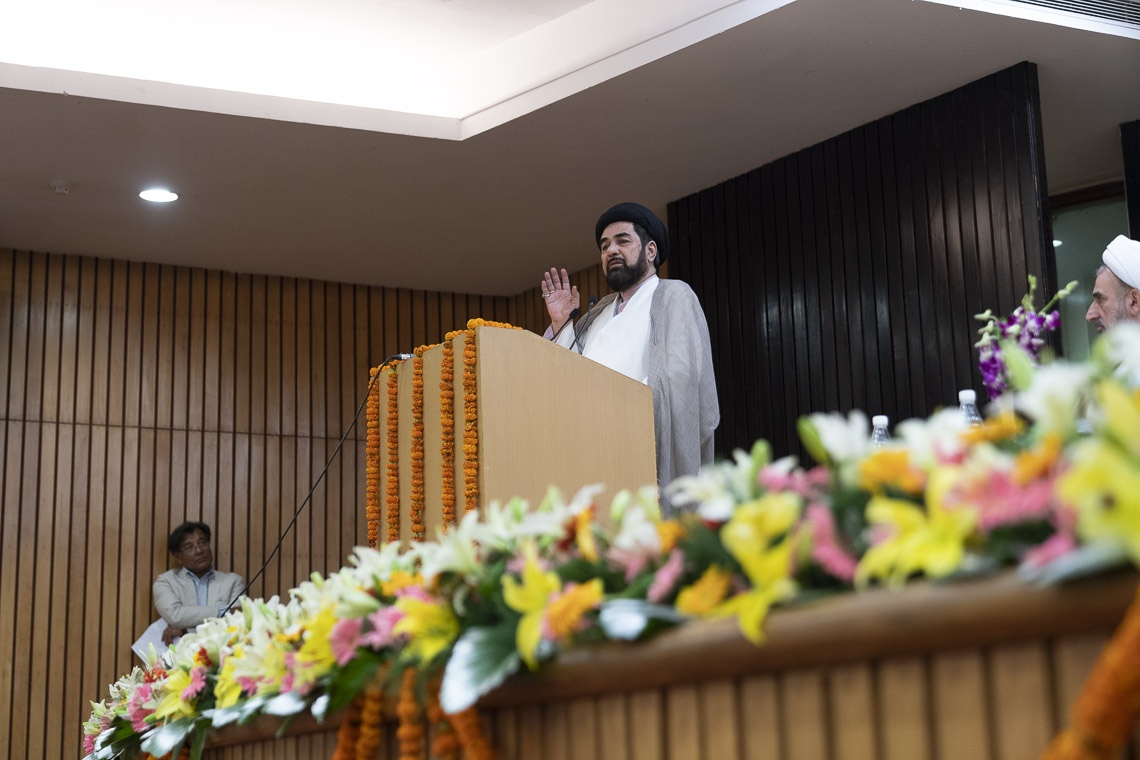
[846, 276]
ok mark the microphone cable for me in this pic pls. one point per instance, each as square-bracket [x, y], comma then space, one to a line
[317, 482]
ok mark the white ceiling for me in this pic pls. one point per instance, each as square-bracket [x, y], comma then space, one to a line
[565, 107]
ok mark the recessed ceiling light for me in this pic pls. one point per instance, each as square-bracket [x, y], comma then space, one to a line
[1056, 243]
[158, 195]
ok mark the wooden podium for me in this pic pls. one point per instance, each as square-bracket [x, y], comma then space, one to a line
[544, 416]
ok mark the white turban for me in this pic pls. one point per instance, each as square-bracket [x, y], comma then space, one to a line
[1122, 257]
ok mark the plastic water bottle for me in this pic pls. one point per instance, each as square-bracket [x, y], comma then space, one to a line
[880, 436]
[968, 405]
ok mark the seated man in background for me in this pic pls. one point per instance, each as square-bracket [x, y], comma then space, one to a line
[194, 591]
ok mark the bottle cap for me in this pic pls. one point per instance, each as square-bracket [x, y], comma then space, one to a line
[967, 396]
[880, 420]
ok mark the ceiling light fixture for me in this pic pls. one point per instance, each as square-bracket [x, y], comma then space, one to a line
[158, 195]
[1056, 243]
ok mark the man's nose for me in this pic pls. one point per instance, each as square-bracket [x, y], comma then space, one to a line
[1092, 313]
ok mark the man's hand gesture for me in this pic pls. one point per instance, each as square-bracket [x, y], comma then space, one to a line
[560, 297]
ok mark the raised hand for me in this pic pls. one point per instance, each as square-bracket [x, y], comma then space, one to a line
[560, 297]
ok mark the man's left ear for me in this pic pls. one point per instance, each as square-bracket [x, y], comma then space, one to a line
[651, 250]
[1134, 302]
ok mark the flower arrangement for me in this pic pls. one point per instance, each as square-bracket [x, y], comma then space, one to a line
[509, 587]
[1025, 327]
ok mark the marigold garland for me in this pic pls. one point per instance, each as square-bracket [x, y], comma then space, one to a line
[447, 429]
[1108, 707]
[445, 744]
[371, 722]
[411, 731]
[393, 484]
[470, 418]
[469, 728]
[416, 496]
[372, 458]
[348, 735]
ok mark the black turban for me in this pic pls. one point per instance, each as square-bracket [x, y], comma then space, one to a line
[637, 214]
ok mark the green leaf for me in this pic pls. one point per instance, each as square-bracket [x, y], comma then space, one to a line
[1018, 365]
[199, 742]
[167, 737]
[627, 619]
[482, 659]
[289, 703]
[811, 440]
[351, 679]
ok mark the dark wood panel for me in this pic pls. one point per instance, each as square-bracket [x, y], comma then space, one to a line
[1130, 150]
[855, 266]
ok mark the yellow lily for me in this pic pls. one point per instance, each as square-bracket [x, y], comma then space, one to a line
[932, 541]
[1121, 414]
[701, 597]
[172, 705]
[584, 534]
[1104, 487]
[768, 571]
[315, 657]
[227, 690]
[431, 626]
[530, 598]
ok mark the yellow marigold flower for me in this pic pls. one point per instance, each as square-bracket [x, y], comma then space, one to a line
[564, 615]
[172, 706]
[399, 581]
[1000, 428]
[1035, 463]
[227, 690]
[700, 598]
[769, 572]
[530, 598]
[890, 467]
[670, 532]
[430, 626]
[1104, 487]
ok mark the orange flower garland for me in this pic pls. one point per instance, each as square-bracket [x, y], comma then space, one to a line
[393, 485]
[1107, 709]
[417, 488]
[445, 745]
[447, 428]
[469, 728]
[348, 735]
[372, 458]
[411, 730]
[470, 412]
[371, 722]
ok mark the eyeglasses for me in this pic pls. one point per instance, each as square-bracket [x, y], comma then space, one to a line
[193, 548]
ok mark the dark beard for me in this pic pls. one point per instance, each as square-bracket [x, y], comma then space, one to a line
[621, 277]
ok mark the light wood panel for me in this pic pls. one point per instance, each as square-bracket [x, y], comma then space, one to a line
[135, 396]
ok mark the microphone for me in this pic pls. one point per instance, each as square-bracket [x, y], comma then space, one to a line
[593, 301]
[569, 321]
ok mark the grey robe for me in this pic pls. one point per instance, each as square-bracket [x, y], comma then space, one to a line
[679, 362]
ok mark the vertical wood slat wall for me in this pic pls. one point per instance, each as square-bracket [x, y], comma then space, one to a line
[1001, 702]
[1130, 153]
[846, 276]
[135, 396]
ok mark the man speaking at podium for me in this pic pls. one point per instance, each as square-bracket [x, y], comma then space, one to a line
[649, 329]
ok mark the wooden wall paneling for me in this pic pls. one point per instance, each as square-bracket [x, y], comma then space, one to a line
[506, 734]
[334, 426]
[613, 727]
[358, 378]
[276, 516]
[34, 366]
[757, 284]
[146, 345]
[83, 686]
[1130, 152]
[390, 324]
[353, 381]
[831, 256]
[128, 538]
[851, 702]
[271, 379]
[972, 129]
[910, 294]
[258, 348]
[303, 563]
[405, 338]
[433, 463]
[774, 338]
[894, 301]
[244, 559]
[243, 348]
[22, 469]
[11, 448]
[760, 712]
[1071, 661]
[936, 231]
[647, 729]
[111, 619]
[744, 278]
[683, 722]
[902, 692]
[1019, 674]
[802, 694]
[258, 538]
[721, 724]
[288, 357]
[870, 287]
[53, 307]
[584, 733]
[856, 329]
[196, 375]
[180, 400]
[959, 698]
[163, 446]
[1030, 163]
[433, 331]
[43, 721]
[227, 353]
[736, 265]
[150, 541]
[714, 230]
[817, 233]
[805, 377]
[960, 345]
[165, 348]
[530, 729]
[555, 732]
[7, 292]
[212, 352]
